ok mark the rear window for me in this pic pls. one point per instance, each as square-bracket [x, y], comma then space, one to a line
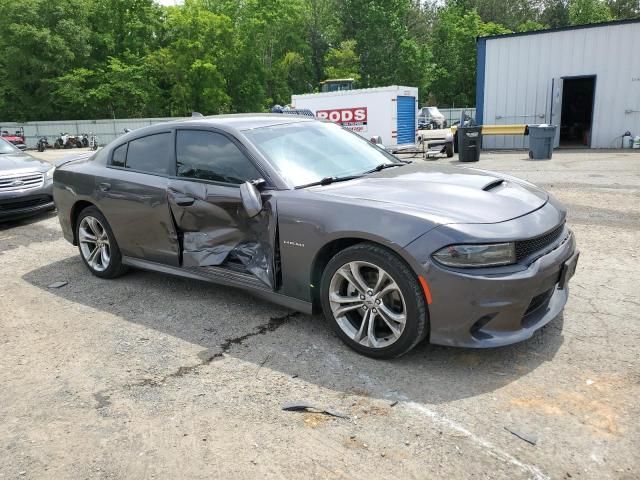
[119, 156]
[152, 154]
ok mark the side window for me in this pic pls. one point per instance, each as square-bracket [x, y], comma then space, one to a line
[153, 154]
[119, 155]
[212, 156]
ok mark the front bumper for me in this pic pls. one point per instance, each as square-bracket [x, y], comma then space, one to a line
[24, 203]
[490, 310]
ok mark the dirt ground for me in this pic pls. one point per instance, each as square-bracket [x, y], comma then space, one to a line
[150, 376]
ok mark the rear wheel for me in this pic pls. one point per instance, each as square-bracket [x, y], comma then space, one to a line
[97, 244]
[373, 301]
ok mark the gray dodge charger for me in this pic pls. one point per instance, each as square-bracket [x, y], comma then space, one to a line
[313, 217]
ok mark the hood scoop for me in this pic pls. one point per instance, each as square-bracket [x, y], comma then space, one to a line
[493, 184]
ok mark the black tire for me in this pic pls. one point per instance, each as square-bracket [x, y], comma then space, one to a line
[57, 145]
[115, 267]
[85, 142]
[448, 149]
[417, 317]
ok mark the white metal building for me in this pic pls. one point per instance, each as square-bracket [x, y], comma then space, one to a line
[586, 79]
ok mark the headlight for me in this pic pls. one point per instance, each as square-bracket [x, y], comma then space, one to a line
[470, 256]
[50, 172]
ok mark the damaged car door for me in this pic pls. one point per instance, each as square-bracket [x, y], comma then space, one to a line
[214, 229]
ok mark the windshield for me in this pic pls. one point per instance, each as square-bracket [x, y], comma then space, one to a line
[6, 147]
[308, 152]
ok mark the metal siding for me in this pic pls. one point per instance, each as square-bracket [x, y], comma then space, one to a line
[406, 120]
[519, 70]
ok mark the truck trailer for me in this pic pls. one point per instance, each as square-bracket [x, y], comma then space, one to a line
[386, 112]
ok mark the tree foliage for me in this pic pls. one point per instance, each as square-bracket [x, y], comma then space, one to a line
[588, 11]
[64, 59]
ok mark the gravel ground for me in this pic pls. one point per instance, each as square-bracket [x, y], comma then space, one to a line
[150, 376]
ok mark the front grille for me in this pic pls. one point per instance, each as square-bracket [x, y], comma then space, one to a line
[524, 248]
[24, 181]
[25, 202]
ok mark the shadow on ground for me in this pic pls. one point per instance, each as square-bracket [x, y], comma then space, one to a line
[227, 320]
[36, 233]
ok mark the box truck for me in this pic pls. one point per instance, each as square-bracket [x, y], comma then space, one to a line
[386, 112]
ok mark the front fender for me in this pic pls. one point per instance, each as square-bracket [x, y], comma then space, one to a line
[307, 225]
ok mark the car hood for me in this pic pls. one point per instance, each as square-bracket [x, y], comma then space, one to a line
[444, 194]
[11, 163]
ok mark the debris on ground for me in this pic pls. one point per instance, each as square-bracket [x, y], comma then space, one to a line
[302, 406]
[532, 439]
[57, 284]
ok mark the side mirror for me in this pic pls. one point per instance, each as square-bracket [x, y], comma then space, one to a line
[251, 199]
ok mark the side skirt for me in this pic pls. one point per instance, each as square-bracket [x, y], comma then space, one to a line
[223, 276]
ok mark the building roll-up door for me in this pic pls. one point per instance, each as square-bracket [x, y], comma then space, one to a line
[406, 120]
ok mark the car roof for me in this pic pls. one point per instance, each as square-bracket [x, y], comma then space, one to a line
[243, 121]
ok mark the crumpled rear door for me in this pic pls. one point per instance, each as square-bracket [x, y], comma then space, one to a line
[215, 231]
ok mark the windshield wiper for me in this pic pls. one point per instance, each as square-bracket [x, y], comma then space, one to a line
[382, 166]
[327, 181]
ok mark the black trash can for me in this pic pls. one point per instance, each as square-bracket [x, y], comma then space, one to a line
[469, 143]
[541, 139]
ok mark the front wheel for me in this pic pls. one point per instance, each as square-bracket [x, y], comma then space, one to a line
[97, 244]
[373, 301]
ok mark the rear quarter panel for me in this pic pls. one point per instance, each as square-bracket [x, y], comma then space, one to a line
[73, 182]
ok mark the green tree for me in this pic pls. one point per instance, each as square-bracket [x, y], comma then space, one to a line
[343, 61]
[530, 26]
[454, 52]
[117, 89]
[39, 40]
[192, 65]
[624, 8]
[323, 30]
[588, 11]
[555, 13]
[266, 34]
[389, 55]
[132, 27]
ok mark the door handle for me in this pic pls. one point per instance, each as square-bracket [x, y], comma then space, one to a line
[104, 187]
[184, 201]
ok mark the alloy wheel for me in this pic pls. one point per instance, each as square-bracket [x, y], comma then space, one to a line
[367, 304]
[94, 243]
